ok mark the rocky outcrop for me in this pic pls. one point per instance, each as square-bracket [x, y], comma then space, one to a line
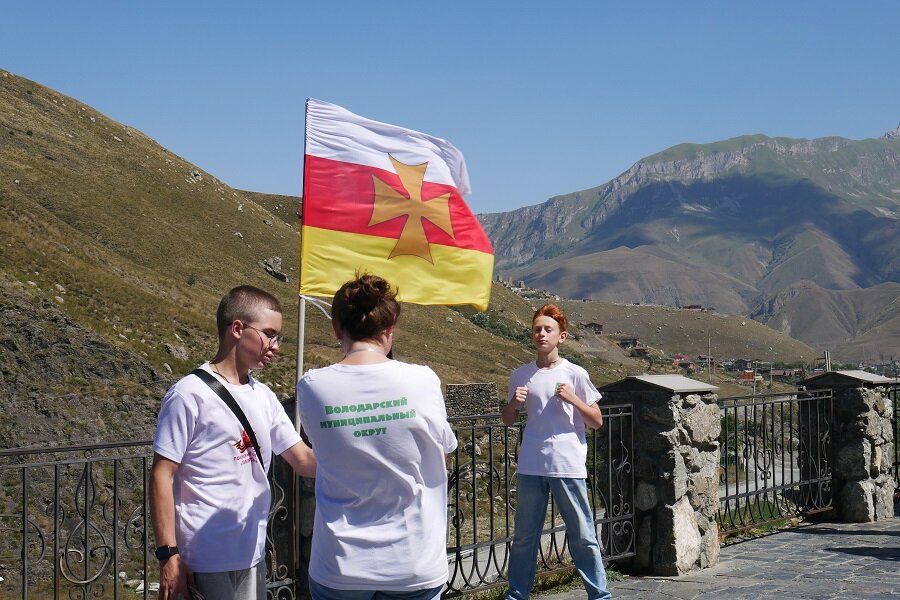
[893, 134]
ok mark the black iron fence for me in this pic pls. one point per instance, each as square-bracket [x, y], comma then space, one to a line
[776, 458]
[74, 521]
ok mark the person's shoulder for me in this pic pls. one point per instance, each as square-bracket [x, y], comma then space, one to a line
[188, 385]
[576, 369]
[313, 374]
[262, 388]
[527, 368]
[186, 391]
[415, 370]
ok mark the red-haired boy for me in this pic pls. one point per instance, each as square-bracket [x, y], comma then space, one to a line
[561, 402]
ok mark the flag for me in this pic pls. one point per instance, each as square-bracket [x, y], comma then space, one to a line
[388, 200]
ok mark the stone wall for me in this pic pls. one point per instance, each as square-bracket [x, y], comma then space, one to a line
[470, 399]
[863, 454]
[676, 481]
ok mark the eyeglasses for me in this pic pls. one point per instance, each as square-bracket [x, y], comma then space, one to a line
[274, 338]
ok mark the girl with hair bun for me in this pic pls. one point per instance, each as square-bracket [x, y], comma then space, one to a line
[380, 433]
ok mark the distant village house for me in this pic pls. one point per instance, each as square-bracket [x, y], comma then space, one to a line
[628, 342]
[593, 326]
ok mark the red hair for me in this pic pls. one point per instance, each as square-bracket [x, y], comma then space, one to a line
[552, 311]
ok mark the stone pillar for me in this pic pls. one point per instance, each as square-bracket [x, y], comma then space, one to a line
[863, 454]
[676, 481]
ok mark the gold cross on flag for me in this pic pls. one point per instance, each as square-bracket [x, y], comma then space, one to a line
[390, 204]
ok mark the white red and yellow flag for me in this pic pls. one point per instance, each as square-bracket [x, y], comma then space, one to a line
[388, 200]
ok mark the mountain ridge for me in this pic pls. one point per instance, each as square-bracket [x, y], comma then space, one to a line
[750, 216]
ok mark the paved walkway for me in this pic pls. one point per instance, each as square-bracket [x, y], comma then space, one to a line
[820, 560]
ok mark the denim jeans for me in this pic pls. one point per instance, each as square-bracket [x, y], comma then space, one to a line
[321, 592]
[571, 498]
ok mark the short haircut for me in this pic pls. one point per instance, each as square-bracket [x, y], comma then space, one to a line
[554, 312]
[365, 306]
[243, 303]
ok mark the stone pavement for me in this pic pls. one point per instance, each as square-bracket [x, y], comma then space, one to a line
[818, 560]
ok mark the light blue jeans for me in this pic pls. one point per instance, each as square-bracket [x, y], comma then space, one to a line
[571, 498]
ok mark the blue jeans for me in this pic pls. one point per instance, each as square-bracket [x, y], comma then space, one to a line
[571, 498]
[321, 592]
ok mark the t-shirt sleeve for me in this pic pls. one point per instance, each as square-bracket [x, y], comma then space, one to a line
[586, 390]
[175, 426]
[514, 382]
[284, 433]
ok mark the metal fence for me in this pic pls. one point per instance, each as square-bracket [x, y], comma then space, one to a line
[74, 521]
[88, 530]
[776, 458]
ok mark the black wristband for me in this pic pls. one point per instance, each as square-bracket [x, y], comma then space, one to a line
[164, 552]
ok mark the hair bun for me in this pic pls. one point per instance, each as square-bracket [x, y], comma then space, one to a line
[365, 305]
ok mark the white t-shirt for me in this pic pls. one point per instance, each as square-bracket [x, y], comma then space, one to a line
[554, 442]
[222, 495]
[380, 435]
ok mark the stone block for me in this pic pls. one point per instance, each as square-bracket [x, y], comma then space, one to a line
[853, 459]
[872, 424]
[877, 459]
[854, 401]
[651, 439]
[666, 415]
[673, 476]
[710, 548]
[645, 496]
[677, 549]
[703, 423]
[690, 400]
[643, 557]
[884, 498]
[703, 491]
[887, 457]
[884, 407]
[857, 503]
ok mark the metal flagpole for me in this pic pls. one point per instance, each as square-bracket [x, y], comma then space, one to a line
[301, 333]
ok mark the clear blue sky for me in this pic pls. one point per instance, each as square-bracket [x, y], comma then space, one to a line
[543, 98]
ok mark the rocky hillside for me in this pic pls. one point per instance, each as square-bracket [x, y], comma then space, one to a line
[730, 225]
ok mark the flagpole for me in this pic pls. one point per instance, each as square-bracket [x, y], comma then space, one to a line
[301, 305]
[301, 334]
[301, 339]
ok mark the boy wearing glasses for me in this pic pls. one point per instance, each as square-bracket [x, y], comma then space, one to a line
[210, 493]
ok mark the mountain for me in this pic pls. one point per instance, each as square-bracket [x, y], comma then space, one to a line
[734, 225]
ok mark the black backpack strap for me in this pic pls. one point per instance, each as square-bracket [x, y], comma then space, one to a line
[229, 400]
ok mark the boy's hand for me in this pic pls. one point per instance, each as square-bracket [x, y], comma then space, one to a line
[521, 394]
[566, 393]
[173, 579]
